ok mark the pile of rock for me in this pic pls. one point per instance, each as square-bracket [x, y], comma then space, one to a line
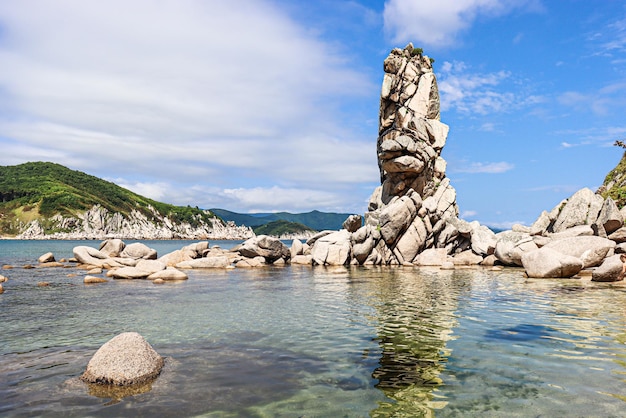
[412, 217]
[581, 232]
[133, 261]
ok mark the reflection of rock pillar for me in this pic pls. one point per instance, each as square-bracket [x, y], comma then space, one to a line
[411, 135]
[415, 313]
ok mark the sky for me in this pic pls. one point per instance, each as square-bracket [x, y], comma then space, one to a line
[272, 105]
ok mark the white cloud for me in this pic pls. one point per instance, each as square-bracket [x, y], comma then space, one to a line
[170, 95]
[468, 91]
[600, 102]
[437, 23]
[468, 214]
[488, 168]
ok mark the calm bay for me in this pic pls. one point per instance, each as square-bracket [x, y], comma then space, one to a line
[314, 341]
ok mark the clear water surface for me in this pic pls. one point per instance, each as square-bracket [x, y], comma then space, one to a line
[298, 341]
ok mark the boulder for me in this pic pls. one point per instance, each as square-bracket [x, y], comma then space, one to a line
[169, 273]
[610, 217]
[432, 257]
[547, 262]
[467, 258]
[510, 246]
[46, 258]
[396, 217]
[93, 257]
[618, 236]
[129, 273]
[352, 223]
[112, 247]
[139, 250]
[608, 271]
[205, 263]
[94, 279]
[178, 256]
[413, 240]
[264, 246]
[483, 240]
[582, 208]
[302, 259]
[541, 225]
[333, 249]
[150, 266]
[590, 249]
[296, 248]
[252, 262]
[575, 231]
[126, 359]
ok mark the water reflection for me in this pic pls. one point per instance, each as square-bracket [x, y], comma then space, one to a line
[414, 312]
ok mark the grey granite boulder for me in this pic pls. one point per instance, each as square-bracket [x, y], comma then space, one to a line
[126, 359]
[170, 273]
[510, 246]
[547, 262]
[590, 249]
[608, 271]
[264, 246]
[610, 217]
[582, 208]
[352, 223]
[332, 249]
[46, 258]
[432, 257]
[220, 261]
[88, 255]
[112, 247]
[138, 250]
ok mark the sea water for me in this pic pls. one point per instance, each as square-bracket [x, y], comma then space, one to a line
[300, 341]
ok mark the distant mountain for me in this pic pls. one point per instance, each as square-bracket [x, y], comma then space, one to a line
[42, 199]
[282, 228]
[316, 220]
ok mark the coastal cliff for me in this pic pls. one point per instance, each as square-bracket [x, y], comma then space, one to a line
[99, 224]
[48, 201]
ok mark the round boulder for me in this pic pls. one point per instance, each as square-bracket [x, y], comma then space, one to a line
[46, 258]
[546, 262]
[126, 359]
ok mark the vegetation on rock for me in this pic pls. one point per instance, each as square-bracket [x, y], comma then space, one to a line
[614, 185]
[42, 190]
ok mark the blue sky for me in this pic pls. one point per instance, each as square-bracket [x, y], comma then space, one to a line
[258, 106]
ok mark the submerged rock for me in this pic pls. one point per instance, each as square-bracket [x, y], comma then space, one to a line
[126, 359]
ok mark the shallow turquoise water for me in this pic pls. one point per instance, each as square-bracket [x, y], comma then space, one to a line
[315, 342]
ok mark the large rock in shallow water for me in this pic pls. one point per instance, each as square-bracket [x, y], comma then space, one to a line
[546, 262]
[608, 271]
[126, 359]
[332, 249]
[267, 247]
[590, 249]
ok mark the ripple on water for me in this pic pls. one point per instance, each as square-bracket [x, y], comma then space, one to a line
[321, 342]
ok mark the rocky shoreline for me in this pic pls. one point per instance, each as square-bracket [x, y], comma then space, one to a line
[412, 218]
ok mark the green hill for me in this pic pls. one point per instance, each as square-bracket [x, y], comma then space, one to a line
[281, 227]
[41, 190]
[315, 220]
